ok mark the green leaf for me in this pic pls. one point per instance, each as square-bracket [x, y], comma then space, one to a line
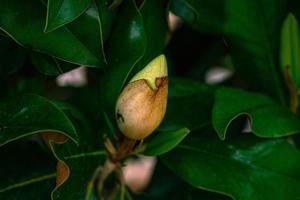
[30, 114]
[125, 48]
[91, 34]
[268, 119]
[85, 99]
[156, 28]
[26, 28]
[46, 64]
[245, 167]
[82, 167]
[166, 185]
[290, 48]
[29, 86]
[143, 35]
[193, 100]
[61, 12]
[164, 141]
[82, 160]
[106, 17]
[251, 30]
[27, 173]
[49, 65]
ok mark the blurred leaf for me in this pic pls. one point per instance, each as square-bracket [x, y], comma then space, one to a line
[244, 168]
[11, 56]
[29, 86]
[191, 53]
[27, 173]
[164, 141]
[290, 48]
[268, 119]
[61, 12]
[24, 85]
[30, 114]
[125, 47]
[23, 21]
[252, 32]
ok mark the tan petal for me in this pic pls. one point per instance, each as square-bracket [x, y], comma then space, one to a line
[140, 109]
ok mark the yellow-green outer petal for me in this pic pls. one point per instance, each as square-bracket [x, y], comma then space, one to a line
[157, 68]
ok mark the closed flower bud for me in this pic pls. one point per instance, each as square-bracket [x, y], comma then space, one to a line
[142, 104]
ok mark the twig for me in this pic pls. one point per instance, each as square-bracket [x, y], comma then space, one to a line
[113, 165]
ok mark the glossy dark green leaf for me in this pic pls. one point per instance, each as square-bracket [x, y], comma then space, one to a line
[156, 29]
[90, 35]
[89, 139]
[82, 160]
[27, 173]
[154, 15]
[268, 119]
[164, 141]
[125, 48]
[252, 32]
[106, 17]
[245, 167]
[23, 21]
[61, 12]
[166, 185]
[143, 35]
[82, 167]
[30, 114]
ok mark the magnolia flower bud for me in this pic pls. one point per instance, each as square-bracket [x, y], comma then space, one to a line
[142, 104]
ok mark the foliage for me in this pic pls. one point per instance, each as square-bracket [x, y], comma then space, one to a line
[235, 139]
